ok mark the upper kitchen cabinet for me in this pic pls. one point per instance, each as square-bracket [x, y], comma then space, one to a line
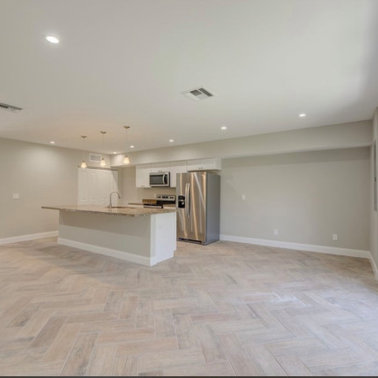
[214, 164]
[143, 171]
[142, 177]
[177, 168]
[159, 168]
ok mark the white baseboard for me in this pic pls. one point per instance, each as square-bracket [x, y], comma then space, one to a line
[130, 257]
[20, 238]
[298, 246]
[374, 266]
[156, 260]
[126, 256]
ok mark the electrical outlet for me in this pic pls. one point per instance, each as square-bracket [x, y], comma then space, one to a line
[275, 231]
[243, 197]
[16, 196]
[335, 237]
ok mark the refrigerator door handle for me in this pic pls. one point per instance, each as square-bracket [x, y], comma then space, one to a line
[187, 199]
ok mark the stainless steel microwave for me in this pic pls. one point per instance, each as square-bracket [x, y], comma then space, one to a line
[159, 179]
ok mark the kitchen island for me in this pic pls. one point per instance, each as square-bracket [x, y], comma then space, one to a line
[140, 235]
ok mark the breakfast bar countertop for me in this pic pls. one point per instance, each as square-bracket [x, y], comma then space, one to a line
[121, 210]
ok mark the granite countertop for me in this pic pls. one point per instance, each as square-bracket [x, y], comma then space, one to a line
[128, 211]
[173, 205]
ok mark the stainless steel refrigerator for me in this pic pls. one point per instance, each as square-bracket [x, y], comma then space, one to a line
[198, 202]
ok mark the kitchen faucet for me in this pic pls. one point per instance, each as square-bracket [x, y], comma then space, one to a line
[110, 199]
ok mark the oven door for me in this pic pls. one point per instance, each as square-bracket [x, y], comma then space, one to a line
[159, 179]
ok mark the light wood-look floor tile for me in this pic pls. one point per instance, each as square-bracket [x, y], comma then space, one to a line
[223, 309]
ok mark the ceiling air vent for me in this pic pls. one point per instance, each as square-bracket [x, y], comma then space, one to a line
[95, 158]
[198, 94]
[10, 108]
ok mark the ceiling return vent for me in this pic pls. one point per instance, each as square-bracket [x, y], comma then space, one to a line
[198, 94]
[95, 158]
[10, 108]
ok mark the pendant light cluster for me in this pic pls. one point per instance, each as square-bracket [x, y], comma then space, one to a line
[103, 162]
[126, 159]
[83, 162]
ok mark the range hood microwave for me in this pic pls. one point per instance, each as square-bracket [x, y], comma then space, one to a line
[159, 179]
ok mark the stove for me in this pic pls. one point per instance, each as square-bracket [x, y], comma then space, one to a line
[159, 201]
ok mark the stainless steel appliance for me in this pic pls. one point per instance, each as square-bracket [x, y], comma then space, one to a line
[160, 201]
[198, 202]
[159, 179]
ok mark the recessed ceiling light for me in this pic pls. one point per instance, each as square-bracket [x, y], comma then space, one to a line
[52, 142]
[114, 153]
[52, 39]
[302, 115]
[224, 128]
[132, 146]
[171, 140]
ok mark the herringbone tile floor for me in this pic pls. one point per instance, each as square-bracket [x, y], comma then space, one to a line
[223, 309]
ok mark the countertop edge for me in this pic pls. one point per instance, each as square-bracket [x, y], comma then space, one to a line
[109, 212]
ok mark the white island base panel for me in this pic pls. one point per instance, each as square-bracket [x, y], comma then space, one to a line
[146, 240]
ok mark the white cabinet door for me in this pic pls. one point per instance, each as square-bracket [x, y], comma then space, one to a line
[143, 172]
[95, 186]
[112, 187]
[194, 165]
[83, 187]
[158, 169]
[204, 164]
[142, 177]
[104, 187]
[139, 177]
[179, 168]
[113, 177]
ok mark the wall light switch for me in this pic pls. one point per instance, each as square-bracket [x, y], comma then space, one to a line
[275, 231]
[335, 237]
[243, 197]
[16, 196]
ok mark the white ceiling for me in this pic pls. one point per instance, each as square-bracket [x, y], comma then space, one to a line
[127, 61]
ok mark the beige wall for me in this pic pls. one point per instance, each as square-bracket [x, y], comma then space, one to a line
[373, 213]
[308, 184]
[306, 196]
[355, 134]
[42, 175]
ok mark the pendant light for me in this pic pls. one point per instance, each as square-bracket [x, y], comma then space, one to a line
[103, 162]
[83, 163]
[126, 159]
